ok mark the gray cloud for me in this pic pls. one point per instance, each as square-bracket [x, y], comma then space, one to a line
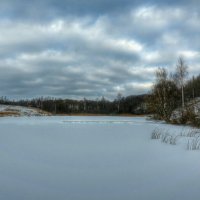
[96, 48]
[49, 9]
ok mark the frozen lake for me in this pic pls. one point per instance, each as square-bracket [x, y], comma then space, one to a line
[93, 158]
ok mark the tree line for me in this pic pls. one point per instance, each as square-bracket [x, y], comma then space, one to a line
[134, 104]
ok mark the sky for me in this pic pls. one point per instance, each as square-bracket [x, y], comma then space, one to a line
[93, 48]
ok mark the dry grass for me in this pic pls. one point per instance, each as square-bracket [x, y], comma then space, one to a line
[9, 113]
[194, 144]
[156, 134]
[190, 133]
[164, 136]
[42, 112]
[93, 114]
[169, 139]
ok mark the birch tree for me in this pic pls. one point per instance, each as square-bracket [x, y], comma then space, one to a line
[180, 76]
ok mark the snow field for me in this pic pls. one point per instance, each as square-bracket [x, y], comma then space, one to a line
[94, 158]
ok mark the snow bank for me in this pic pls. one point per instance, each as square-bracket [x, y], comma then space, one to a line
[9, 110]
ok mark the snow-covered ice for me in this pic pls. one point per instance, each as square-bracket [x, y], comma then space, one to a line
[94, 158]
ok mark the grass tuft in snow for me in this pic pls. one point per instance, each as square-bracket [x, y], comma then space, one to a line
[169, 139]
[190, 133]
[194, 143]
[164, 136]
[156, 134]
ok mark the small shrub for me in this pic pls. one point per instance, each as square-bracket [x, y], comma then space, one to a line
[196, 122]
[188, 116]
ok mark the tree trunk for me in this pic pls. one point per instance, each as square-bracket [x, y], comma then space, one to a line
[183, 101]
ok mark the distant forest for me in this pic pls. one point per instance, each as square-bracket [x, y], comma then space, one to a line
[121, 105]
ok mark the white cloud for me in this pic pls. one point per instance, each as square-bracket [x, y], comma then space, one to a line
[189, 54]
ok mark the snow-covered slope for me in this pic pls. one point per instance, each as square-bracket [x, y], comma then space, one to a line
[192, 106]
[8, 110]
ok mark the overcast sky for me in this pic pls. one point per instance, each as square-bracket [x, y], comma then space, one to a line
[93, 48]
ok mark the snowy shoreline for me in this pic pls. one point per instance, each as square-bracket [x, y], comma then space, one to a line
[18, 111]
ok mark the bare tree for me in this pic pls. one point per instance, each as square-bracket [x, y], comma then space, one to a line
[180, 76]
[161, 74]
[161, 78]
[162, 100]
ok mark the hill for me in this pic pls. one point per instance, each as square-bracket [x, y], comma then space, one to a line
[10, 110]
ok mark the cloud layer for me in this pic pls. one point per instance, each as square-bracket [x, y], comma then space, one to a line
[90, 49]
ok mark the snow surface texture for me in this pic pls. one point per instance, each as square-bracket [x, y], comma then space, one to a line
[8, 110]
[94, 158]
